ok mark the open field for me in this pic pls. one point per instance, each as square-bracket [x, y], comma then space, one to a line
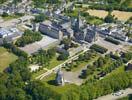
[6, 58]
[98, 13]
[121, 15]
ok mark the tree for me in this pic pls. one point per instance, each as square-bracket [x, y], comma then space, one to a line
[40, 18]
[5, 14]
[109, 18]
[67, 43]
[63, 56]
[28, 37]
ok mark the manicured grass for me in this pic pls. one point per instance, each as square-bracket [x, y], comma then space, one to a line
[54, 62]
[35, 74]
[80, 66]
[95, 21]
[6, 58]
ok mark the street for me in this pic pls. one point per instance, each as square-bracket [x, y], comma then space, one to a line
[14, 22]
[113, 97]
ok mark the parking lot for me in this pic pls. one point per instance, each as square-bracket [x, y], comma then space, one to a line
[45, 43]
[110, 46]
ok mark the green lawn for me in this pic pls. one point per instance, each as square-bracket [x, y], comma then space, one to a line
[95, 21]
[53, 63]
[58, 89]
[6, 58]
[35, 74]
[84, 63]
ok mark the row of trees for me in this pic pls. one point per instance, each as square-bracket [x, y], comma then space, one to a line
[103, 66]
[126, 56]
[86, 57]
[105, 86]
[28, 37]
[12, 48]
[98, 48]
[110, 5]
[112, 40]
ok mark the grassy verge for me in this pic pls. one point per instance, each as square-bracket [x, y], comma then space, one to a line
[35, 74]
[53, 63]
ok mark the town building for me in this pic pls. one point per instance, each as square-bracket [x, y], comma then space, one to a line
[9, 34]
[91, 35]
[48, 29]
[71, 51]
[4, 33]
[115, 31]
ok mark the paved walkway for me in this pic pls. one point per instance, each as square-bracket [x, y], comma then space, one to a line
[113, 97]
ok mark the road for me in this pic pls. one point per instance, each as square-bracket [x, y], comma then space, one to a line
[113, 97]
[14, 22]
[61, 65]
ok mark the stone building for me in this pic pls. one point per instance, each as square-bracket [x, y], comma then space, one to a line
[48, 29]
[60, 78]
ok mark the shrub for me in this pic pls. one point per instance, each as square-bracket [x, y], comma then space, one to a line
[98, 48]
[112, 40]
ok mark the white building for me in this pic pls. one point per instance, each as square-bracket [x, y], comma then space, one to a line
[4, 32]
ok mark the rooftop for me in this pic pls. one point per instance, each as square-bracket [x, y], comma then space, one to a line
[4, 31]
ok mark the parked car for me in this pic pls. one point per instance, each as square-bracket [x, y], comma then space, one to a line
[118, 93]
